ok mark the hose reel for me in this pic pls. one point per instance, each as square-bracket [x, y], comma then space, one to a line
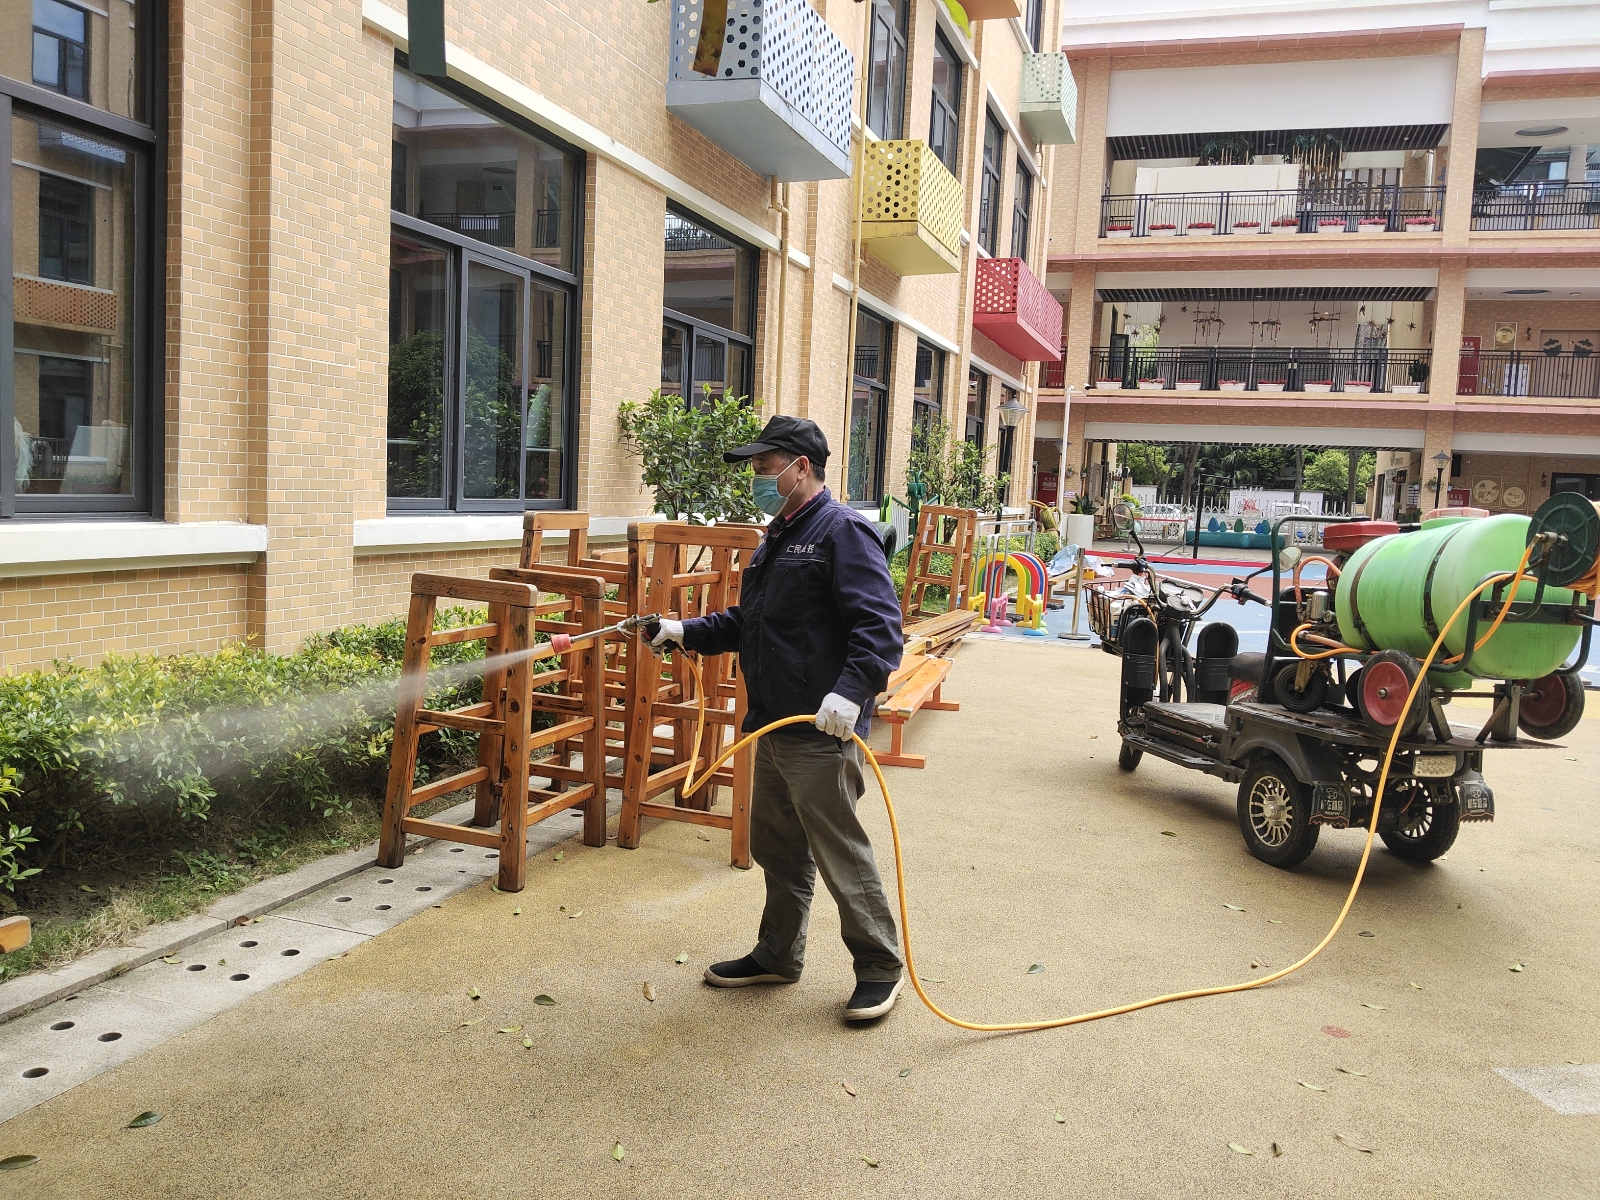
[1576, 549]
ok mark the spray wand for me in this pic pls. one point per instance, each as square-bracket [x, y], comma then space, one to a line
[560, 643]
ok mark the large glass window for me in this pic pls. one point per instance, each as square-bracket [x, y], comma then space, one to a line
[90, 51]
[869, 408]
[481, 302]
[944, 121]
[1034, 21]
[708, 298]
[994, 152]
[1021, 211]
[886, 82]
[977, 405]
[927, 393]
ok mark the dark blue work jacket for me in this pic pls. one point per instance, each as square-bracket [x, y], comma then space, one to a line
[817, 613]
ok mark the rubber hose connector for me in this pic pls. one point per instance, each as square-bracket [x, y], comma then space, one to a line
[561, 642]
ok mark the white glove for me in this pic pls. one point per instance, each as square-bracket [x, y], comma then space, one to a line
[837, 717]
[668, 636]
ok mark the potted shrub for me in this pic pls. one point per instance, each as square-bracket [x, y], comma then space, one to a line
[1202, 228]
[1286, 225]
[1119, 231]
[1270, 385]
[1358, 385]
[1247, 226]
[1163, 230]
[1108, 383]
[1420, 224]
[1152, 385]
[1373, 224]
[1332, 225]
[1231, 385]
[1319, 385]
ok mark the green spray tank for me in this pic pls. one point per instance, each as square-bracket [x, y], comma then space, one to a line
[1396, 592]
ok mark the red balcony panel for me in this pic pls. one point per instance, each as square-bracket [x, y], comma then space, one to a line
[1015, 311]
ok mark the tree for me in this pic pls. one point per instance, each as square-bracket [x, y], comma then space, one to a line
[681, 445]
[953, 471]
[1149, 464]
[1328, 472]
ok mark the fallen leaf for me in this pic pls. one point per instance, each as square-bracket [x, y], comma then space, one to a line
[1366, 933]
[1340, 1137]
[222, 962]
[573, 916]
[527, 1043]
[681, 959]
[472, 993]
[1254, 965]
[1168, 833]
[17, 1161]
[438, 906]
[848, 1089]
[149, 1117]
[563, 908]
[1035, 969]
[1335, 1031]
[1516, 966]
[516, 912]
[650, 993]
[1273, 921]
[1233, 907]
[1094, 737]
[1418, 986]
[511, 1029]
[560, 854]
[84, 887]
[541, 998]
[171, 958]
[1277, 1150]
[932, 979]
[1061, 1117]
[616, 1152]
[493, 886]
[1239, 1149]
[904, 1071]
[1379, 1007]
[1348, 1071]
[871, 1162]
[474, 1021]
[1310, 1086]
[704, 837]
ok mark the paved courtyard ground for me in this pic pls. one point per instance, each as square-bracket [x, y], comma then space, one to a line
[376, 1074]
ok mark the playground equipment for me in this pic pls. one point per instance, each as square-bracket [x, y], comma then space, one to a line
[989, 592]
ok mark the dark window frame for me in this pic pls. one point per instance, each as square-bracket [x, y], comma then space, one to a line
[694, 328]
[1005, 446]
[944, 119]
[976, 424]
[61, 44]
[891, 19]
[1033, 24]
[1021, 210]
[146, 142]
[925, 413]
[989, 192]
[877, 388]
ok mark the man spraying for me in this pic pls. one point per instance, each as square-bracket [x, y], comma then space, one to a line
[818, 631]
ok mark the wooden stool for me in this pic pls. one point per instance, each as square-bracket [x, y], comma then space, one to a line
[693, 570]
[503, 720]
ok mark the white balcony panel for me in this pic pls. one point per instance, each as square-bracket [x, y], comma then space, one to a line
[780, 99]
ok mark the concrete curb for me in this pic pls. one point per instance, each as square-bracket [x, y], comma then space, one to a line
[34, 991]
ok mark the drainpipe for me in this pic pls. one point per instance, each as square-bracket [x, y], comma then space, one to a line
[858, 184]
[780, 201]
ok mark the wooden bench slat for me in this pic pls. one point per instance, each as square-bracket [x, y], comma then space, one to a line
[910, 698]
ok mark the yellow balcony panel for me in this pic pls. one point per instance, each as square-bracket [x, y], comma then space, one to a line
[910, 209]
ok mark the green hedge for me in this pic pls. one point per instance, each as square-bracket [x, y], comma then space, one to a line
[138, 747]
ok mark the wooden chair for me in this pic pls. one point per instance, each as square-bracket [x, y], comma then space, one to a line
[920, 574]
[692, 571]
[503, 720]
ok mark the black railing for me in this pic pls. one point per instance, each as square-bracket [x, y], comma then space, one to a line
[1568, 375]
[1254, 369]
[1539, 205]
[497, 229]
[1347, 208]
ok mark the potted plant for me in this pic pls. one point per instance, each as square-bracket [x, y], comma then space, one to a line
[1231, 385]
[1119, 231]
[1202, 228]
[1247, 226]
[1405, 389]
[1108, 383]
[1418, 373]
[1270, 385]
[1152, 385]
[1319, 385]
[1192, 384]
[1163, 230]
[1361, 386]
[1373, 224]
[1286, 225]
[1332, 225]
[1420, 224]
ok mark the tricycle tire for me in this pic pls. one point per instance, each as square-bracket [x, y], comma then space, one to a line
[1551, 707]
[1428, 834]
[1128, 757]
[1297, 701]
[1275, 814]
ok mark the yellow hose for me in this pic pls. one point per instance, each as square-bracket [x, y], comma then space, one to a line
[692, 786]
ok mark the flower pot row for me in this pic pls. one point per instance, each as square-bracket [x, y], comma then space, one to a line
[1351, 386]
[1326, 225]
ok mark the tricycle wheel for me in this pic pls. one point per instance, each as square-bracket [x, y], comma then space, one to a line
[1293, 698]
[1386, 680]
[1275, 814]
[1128, 757]
[1551, 707]
[1428, 822]
[1352, 691]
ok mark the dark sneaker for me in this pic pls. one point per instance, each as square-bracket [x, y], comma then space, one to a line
[741, 972]
[871, 999]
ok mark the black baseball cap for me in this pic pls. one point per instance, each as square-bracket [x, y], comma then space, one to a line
[796, 435]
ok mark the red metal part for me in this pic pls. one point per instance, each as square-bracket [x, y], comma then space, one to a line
[1545, 701]
[1352, 535]
[1384, 688]
[1015, 311]
[561, 642]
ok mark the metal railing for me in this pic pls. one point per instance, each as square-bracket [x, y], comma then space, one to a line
[1054, 374]
[497, 229]
[1538, 205]
[1255, 369]
[1569, 375]
[1349, 208]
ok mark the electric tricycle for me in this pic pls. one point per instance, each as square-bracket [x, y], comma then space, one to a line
[1303, 727]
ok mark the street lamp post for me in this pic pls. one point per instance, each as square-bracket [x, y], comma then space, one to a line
[1441, 460]
[1010, 413]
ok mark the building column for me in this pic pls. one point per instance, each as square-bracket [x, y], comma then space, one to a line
[1441, 430]
[1463, 139]
[1094, 96]
[1449, 316]
[1080, 327]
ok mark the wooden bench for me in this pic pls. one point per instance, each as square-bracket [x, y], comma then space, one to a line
[916, 684]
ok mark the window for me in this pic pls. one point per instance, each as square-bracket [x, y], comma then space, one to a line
[927, 393]
[482, 292]
[91, 51]
[61, 48]
[1034, 22]
[1021, 211]
[977, 405]
[869, 409]
[994, 152]
[944, 122]
[708, 298]
[1008, 438]
[886, 82]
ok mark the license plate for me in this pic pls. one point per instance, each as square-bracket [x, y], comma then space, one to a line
[1435, 766]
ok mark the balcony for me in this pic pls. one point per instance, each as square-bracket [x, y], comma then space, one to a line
[772, 87]
[1054, 374]
[1260, 369]
[1049, 105]
[910, 209]
[1538, 206]
[1567, 375]
[1352, 209]
[1015, 311]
